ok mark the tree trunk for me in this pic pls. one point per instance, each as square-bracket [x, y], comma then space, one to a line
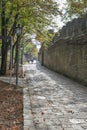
[4, 40]
[13, 48]
[42, 55]
[5, 44]
[4, 61]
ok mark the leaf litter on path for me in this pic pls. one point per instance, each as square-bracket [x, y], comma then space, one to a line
[11, 107]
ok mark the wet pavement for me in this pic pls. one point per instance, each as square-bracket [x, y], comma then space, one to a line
[52, 101]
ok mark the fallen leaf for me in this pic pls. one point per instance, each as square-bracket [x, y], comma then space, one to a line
[42, 113]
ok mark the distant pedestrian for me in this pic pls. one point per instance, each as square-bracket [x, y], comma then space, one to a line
[32, 61]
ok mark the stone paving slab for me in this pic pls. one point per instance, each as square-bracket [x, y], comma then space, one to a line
[52, 101]
[56, 102]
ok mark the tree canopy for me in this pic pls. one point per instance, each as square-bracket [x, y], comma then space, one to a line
[33, 15]
[76, 7]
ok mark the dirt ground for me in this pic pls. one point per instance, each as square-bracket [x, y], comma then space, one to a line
[11, 107]
[13, 72]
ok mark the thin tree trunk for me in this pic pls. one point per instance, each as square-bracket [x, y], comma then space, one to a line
[13, 48]
[4, 62]
[4, 41]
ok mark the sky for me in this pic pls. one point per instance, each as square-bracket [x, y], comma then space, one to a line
[57, 19]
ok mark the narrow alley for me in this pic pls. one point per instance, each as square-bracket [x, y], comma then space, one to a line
[52, 101]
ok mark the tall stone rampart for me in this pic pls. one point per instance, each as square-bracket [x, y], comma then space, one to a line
[68, 54]
[73, 29]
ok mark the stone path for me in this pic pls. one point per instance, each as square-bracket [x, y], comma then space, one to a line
[53, 102]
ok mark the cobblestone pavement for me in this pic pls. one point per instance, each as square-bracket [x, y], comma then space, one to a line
[52, 101]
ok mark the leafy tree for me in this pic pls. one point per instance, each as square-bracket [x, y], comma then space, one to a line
[76, 8]
[32, 14]
[31, 48]
[45, 37]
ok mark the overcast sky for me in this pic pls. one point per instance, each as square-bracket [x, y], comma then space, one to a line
[62, 6]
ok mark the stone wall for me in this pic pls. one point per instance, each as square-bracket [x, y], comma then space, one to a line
[68, 59]
[72, 29]
[68, 55]
[76, 27]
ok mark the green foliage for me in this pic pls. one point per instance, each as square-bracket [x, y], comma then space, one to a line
[45, 37]
[31, 13]
[31, 48]
[76, 7]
